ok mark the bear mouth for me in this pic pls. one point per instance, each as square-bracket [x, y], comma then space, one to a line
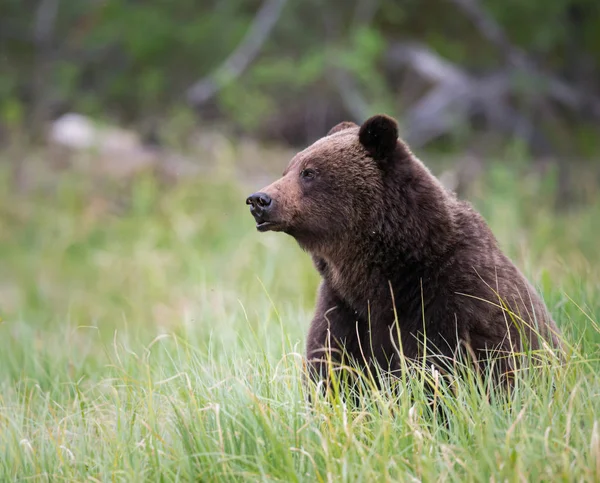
[263, 222]
[263, 226]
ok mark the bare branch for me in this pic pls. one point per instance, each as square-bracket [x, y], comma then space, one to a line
[364, 12]
[491, 30]
[43, 35]
[426, 63]
[45, 19]
[437, 113]
[344, 81]
[456, 96]
[242, 56]
[556, 88]
[353, 100]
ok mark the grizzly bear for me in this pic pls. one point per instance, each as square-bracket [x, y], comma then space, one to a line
[408, 270]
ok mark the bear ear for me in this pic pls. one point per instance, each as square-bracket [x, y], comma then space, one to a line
[379, 136]
[341, 127]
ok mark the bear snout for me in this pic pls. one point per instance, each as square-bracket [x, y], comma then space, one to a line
[260, 207]
[259, 201]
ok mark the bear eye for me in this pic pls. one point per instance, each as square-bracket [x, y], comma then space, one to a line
[307, 173]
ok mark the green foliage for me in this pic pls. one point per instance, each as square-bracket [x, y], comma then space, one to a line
[362, 55]
[286, 72]
[133, 60]
[12, 112]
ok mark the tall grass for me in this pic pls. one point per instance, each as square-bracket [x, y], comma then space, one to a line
[149, 333]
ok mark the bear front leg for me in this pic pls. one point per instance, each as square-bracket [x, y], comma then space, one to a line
[332, 333]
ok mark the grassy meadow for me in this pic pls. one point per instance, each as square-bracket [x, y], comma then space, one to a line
[149, 333]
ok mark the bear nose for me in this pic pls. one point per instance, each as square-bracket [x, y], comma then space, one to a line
[259, 200]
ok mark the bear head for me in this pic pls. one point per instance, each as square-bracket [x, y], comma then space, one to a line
[335, 186]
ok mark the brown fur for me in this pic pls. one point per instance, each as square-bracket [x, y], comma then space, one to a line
[388, 238]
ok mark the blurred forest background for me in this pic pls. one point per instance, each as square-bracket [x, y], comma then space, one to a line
[147, 331]
[463, 76]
